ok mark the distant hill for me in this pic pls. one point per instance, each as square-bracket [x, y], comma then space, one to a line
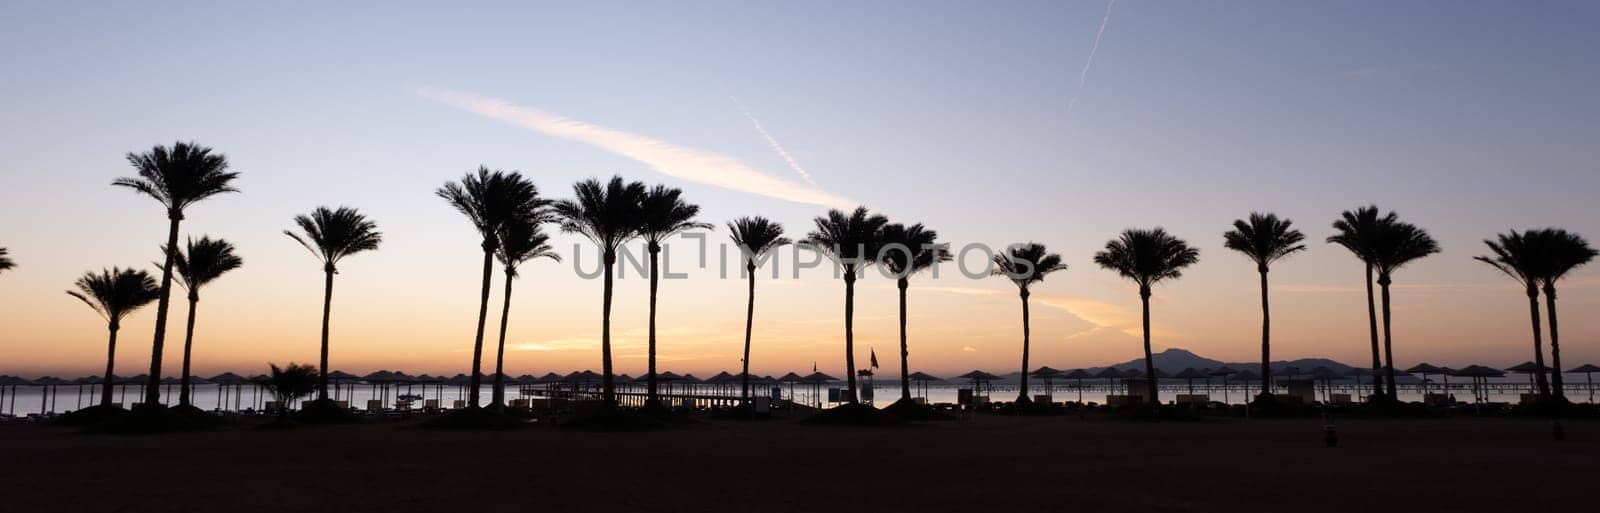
[1173, 361]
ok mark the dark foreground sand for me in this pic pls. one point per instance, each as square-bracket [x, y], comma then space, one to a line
[992, 464]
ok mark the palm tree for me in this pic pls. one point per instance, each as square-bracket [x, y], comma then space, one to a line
[331, 235]
[5, 260]
[114, 294]
[607, 214]
[852, 241]
[1565, 251]
[290, 383]
[663, 214]
[1025, 265]
[491, 200]
[908, 250]
[756, 237]
[1265, 239]
[520, 242]
[1357, 231]
[1147, 257]
[1397, 244]
[200, 263]
[1522, 256]
[177, 177]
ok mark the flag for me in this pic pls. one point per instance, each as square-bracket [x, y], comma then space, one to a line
[813, 366]
[874, 358]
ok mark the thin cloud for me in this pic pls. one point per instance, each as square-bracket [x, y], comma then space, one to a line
[677, 161]
[1101, 316]
[1083, 76]
[773, 141]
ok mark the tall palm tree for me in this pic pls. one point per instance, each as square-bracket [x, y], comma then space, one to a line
[909, 250]
[1566, 251]
[663, 213]
[177, 177]
[1357, 231]
[331, 235]
[1265, 239]
[5, 260]
[852, 241]
[1025, 265]
[114, 294]
[1147, 257]
[1397, 244]
[520, 242]
[201, 262]
[608, 215]
[491, 200]
[1523, 257]
[756, 237]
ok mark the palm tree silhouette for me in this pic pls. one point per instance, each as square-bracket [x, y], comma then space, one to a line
[1357, 232]
[609, 215]
[5, 260]
[1265, 239]
[491, 200]
[908, 250]
[756, 237]
[1396, 245]
[114, 294]
[663, 214]
[1147, 257]
[1524, 257]
[1567, 251]
[201, 262]
[177, 177]
[331, 235]
[520, 241]
[852, 241]
[1025, 265]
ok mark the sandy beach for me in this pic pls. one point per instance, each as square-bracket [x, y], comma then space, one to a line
[994, 463]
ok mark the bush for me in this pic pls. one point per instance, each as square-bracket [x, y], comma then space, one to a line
[914, 411]
[325, 411]
[853, 414]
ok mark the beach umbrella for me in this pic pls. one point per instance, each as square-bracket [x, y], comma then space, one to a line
[1079, 375]
[1587, 370]
[922, 379]
[1190, 374]
[86, 381]
[1425, 369]
[816, 380]
[1480, 376]
[13, 382]
[1224, 372]
[225, 381]
[1111, 375]
[979, 379]
[47, 386]
[790, 378]
[1048, 375]
[1530, 369]
[1326, 376]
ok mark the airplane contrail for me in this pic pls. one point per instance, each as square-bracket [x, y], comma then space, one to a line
[772, 141]
[1083, 76]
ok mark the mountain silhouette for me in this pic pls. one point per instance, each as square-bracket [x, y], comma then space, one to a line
[1174, 360]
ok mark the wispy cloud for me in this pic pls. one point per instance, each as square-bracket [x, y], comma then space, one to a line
[677, 161]
[1083, 76]
[1101, 316]
[773, 141]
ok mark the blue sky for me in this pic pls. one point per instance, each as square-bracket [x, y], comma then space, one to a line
[1468, 117]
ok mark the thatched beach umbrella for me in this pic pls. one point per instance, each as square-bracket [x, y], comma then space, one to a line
[87, 381]
[1480, 378]
[1425, 369]
[12, 382]
[1224, 372]
[816, 380]
[1587, 370]
[1530, 369]
[1048, 375]
[47, 386]
[1190, 374]
[790, 379]
[1078, 375]
[224, 382]
[922, 379]
[979, 379]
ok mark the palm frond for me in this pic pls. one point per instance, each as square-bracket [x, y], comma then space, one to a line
[492, 198]
[1027, 263]
[204, 260]
[756, 236]
[114, 293]
[607, 214]
[180, 175]
[851, 240]
[5, 260]
[1264, 238]
[333, 234]
[663, 213]
[1147, 256]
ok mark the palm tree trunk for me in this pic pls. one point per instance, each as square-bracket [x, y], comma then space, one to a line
[608, 393]
[1556, 383]
[483, 316]
[152, 386]
[498, 397]
[1266, 337]
[111, 361]
[1022, 391]
[650, 379]
[1372, 327]
[1538, 345]
[1149, 360]
[188, 344]
[1388, 341]
[327, 314]
[849, 332]
[905, 352]
[749, 325]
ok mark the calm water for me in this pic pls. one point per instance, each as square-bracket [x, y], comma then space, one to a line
[30, 400]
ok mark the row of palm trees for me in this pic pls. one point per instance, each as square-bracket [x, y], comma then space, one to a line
[509, 213]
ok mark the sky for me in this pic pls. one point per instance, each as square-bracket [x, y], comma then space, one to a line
[993, 123]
